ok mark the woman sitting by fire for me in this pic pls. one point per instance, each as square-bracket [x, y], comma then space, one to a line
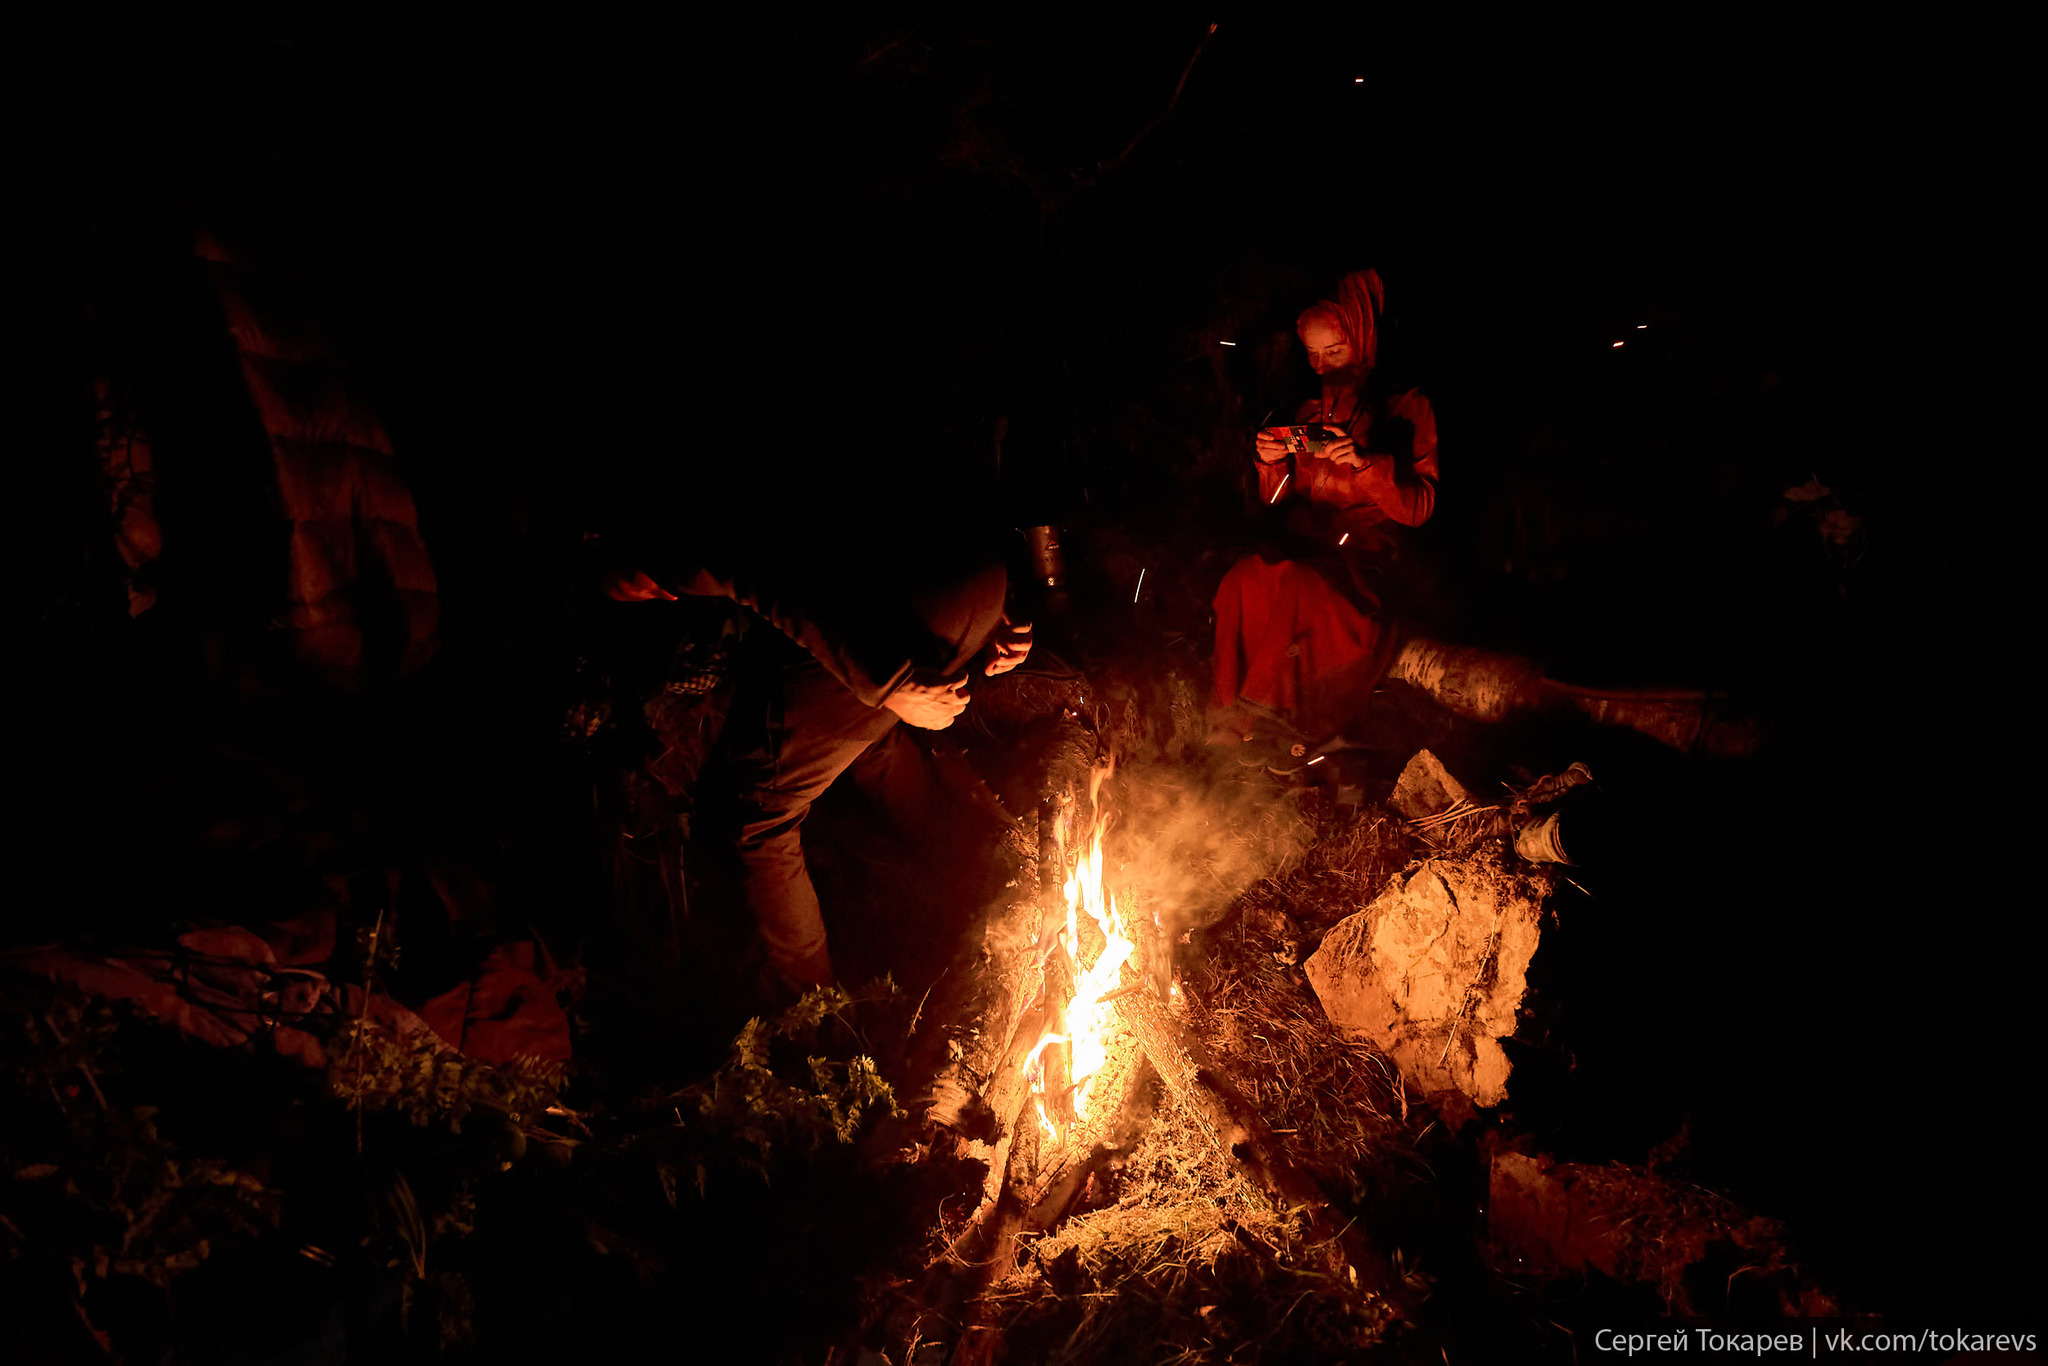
[1302, 629]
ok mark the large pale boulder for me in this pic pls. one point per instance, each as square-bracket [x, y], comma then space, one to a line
[1433, 971]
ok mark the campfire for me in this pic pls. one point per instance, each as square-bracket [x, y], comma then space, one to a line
[1104, 1060]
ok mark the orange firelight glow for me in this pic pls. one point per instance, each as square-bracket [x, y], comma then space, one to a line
[1088, 1015]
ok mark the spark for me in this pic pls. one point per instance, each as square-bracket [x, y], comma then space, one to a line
[1225, 343]
[1141, 585]
[1617, 343]
[1345, 537]
[1640, 327]
[1358, 80]
[1318, 759]
[1285, 477]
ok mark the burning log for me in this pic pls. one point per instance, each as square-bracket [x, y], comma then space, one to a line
[970, 1049]
[1055, 1057]
[980, 1001]
[1056, 1188]
[1007, 994]
[1031, 1198]
[1044, 1205]
[1006, 1098]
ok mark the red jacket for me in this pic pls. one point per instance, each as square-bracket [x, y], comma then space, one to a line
[1397, 436]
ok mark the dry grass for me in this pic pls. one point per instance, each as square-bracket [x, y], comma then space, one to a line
[1344, 869]
[1190, 1266]
[1335, 1104]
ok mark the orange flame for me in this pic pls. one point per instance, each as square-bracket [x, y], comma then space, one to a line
[1087, 1015]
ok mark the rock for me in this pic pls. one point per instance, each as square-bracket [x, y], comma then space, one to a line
[1433, 971]
[1426, 787]
[1552, 1220]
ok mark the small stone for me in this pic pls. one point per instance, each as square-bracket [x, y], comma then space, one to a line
[1426, 787]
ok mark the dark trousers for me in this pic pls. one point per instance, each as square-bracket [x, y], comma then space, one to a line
[794, 729]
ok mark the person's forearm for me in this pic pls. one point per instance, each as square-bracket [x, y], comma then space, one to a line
[871, 675]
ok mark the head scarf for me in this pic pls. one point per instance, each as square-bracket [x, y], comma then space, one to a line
[1354, 312]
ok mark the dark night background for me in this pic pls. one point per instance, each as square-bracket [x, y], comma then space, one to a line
[693, 264]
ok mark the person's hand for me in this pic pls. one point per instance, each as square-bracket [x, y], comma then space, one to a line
[1344, 451]
[1011, 642]
[928, 706]
[1270, 449]
[630, 585]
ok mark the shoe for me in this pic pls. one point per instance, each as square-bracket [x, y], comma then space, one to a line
[1261, 741]
[1290, 759]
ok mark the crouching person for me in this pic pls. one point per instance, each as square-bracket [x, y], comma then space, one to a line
[856, 653]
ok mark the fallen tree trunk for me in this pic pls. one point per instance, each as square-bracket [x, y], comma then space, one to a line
[1485, 685]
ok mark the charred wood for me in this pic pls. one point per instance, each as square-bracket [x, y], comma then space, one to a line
[947, 1306]
[1056, 1188]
